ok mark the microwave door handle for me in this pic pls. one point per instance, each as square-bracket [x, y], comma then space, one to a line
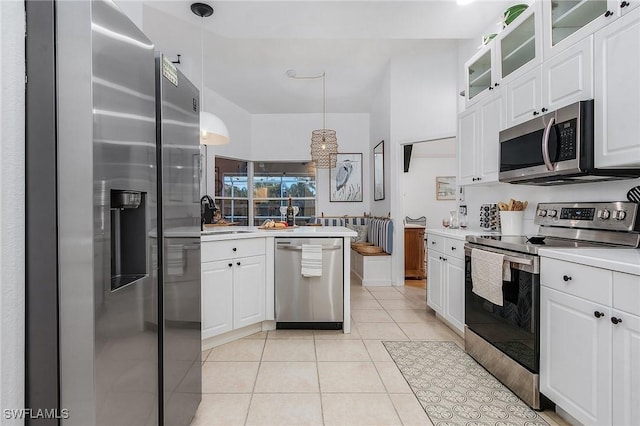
[545, 145]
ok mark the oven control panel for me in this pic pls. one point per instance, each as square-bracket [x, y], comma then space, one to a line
[615, 216]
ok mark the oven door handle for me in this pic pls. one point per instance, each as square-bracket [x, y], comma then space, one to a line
[545, 145]
[507, 258]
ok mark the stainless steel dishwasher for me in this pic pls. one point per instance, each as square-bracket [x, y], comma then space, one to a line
[309, 302]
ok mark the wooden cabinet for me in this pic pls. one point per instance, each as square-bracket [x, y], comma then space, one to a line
[233, 289]
[617, 93]
[590, 342]
[414, 262]
[478, 143]
[445, 279]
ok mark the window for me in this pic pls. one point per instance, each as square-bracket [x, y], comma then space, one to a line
[273, 182]
[267, 185]
[232, 190]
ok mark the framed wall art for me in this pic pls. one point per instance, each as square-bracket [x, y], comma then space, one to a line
[445, 188]
[378, 172]
[346, 178]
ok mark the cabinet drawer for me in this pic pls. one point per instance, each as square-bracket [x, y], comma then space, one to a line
[219, 250]
[626, 292]
[587, 282]
[435, 242]
[454, 248]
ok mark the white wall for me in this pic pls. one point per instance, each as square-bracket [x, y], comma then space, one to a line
[287, 137]
[238, 122]
[419, 194]
[131, 8]
[380, 130]
[424, 95]
[12, 203]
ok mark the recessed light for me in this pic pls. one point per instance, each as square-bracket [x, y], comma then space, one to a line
[463, 2]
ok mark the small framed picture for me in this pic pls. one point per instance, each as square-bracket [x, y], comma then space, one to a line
[346, 178]
[445, 188]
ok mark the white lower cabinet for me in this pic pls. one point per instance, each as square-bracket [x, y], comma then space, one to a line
[590, 342]
[248, 291]
[575, 355]
[233, 289]
[445, 279]
[217, 298]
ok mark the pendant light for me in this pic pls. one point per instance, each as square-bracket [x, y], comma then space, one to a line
[212, 129]
[324, 143]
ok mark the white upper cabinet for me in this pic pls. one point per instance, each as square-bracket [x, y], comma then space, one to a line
[568, 77]
[524, 97]
[617, 93]
[569, 21]
[520, 44]
[478, 146]
[480, 73]
[627, 5]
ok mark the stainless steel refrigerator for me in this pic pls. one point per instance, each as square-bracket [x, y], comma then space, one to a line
[113, 257]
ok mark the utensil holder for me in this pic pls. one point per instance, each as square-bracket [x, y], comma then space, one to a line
[511, 222]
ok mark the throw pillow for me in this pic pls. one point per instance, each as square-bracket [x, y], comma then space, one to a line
[362, 233]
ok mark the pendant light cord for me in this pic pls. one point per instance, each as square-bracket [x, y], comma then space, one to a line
[202, 63]
[324, 103]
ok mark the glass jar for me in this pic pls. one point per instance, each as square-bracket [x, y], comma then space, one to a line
[454, 220]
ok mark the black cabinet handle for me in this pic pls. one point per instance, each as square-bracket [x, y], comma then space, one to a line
[566, 278]
[479, 178]
[433, 242]
[598, 314]
[616, 320]
[230, 265]
[544, 110]
[608, 13]
[490, 87]
[624, 4]
[496, 85]
[453, 247]
[238, 263]
[234, 249]
[536, 113]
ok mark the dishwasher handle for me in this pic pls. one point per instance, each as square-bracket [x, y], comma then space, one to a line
[299, 248]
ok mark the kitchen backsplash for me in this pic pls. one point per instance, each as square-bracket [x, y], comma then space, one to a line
[475, 196]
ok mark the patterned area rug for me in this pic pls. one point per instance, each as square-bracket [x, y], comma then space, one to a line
[454, 389]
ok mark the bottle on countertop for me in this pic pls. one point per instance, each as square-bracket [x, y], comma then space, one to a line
[290, 214]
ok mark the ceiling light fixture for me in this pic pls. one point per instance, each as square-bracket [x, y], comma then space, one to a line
[324, 143]
[463, 2]
[212, 129]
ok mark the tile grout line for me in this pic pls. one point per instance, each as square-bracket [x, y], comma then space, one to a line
[255, 380]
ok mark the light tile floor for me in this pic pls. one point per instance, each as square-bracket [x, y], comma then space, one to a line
[304, 377]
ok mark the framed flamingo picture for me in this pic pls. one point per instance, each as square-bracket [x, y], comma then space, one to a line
[346, 178]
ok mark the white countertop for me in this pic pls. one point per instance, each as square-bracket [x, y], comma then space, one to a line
[456, 234]
[616, 259]
[231, 232]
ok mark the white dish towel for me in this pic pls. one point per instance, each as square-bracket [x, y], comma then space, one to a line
[311, 262]
[488, 270]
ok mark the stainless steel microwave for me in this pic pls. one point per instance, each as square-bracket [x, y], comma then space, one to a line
[555, 148]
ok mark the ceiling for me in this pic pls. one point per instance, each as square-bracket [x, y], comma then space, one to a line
[249, 45]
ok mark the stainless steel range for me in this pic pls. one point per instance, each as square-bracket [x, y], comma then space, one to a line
[505, 338]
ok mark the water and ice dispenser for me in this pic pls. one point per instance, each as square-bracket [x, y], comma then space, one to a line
[128, 237]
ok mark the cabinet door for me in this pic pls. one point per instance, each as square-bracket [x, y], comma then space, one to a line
[480, 75]
[488, 150]
[575, 356]
[628, 6]
[568, 77]
[617, 93]
[467, 142]
[248, 290]
[520, 44]
[626, 369]
[435, 277]
[217, 298]
[454, 292]
[524, 97]
[567, 22]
